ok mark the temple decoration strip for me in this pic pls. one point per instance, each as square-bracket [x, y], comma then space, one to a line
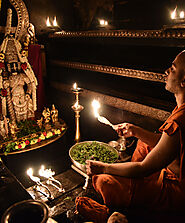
[154, 34]
[144, 75]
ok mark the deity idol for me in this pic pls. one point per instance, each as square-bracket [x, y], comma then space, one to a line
[17, 78]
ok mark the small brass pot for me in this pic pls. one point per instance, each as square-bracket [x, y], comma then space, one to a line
[28, 211]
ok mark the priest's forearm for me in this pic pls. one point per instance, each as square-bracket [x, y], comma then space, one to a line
[127, 169]
[150, 138]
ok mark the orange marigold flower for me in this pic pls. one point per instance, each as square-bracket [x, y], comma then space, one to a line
[2, 65]
[3, 92]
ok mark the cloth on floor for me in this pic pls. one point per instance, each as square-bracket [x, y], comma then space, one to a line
[92, 210]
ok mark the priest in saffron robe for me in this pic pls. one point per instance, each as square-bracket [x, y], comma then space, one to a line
[154, 181]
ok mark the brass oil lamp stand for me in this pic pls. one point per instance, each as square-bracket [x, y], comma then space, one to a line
[77, 108]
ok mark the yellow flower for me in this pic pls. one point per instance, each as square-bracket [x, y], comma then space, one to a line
[58, 132]
[49, 135]
[33, 141]
[42, 137]
[23, 145]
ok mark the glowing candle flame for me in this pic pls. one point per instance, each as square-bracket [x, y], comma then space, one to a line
[75, 86]
[182, 14]
[96, 106]
[102, 22]
[55, 21]
[173, 14]
[30, 174]
[47, 173]
[48, 22]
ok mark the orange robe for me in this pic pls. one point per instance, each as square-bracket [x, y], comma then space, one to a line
[161, 196]
[160, 192]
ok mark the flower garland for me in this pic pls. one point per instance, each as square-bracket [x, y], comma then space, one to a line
[18, 145]
[3, 92]
[24, 66]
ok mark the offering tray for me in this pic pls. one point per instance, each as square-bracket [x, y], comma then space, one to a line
[33, 141]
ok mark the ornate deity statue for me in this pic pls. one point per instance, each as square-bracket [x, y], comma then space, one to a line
[13, 129]
[46, 113]
[39, 122]
[54, 114]
[17, 77]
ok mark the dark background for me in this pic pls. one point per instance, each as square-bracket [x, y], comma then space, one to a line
[132, 14]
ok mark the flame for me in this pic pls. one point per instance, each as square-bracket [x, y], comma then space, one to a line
[182, 14]
[48, 22]
[96, 106]
[30, 174]
[47, 173]
[55, 21]
[75, 86]
[103, 22]
[173, 14]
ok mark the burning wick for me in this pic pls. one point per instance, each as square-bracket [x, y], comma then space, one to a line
[33, 178]
[55, 21]
[48, 173]
[38, 182]
[48, 23]
[96, 106]
[76, 88]
[173, 14]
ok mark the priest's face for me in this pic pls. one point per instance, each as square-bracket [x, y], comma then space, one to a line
[176, 75]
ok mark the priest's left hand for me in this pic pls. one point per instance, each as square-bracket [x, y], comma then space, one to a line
[95, 167]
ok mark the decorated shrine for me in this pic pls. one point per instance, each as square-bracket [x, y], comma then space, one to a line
[20, 128]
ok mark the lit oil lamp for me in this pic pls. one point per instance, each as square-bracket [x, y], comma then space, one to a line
[96, 106]
[177, 15]
[39, 185]
[48, 23]
[55, 22]
[48, 174]
[77, 108]
[103, 23]
[52, 27]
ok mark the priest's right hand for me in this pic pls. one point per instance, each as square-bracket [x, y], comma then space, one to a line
[125, 129]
